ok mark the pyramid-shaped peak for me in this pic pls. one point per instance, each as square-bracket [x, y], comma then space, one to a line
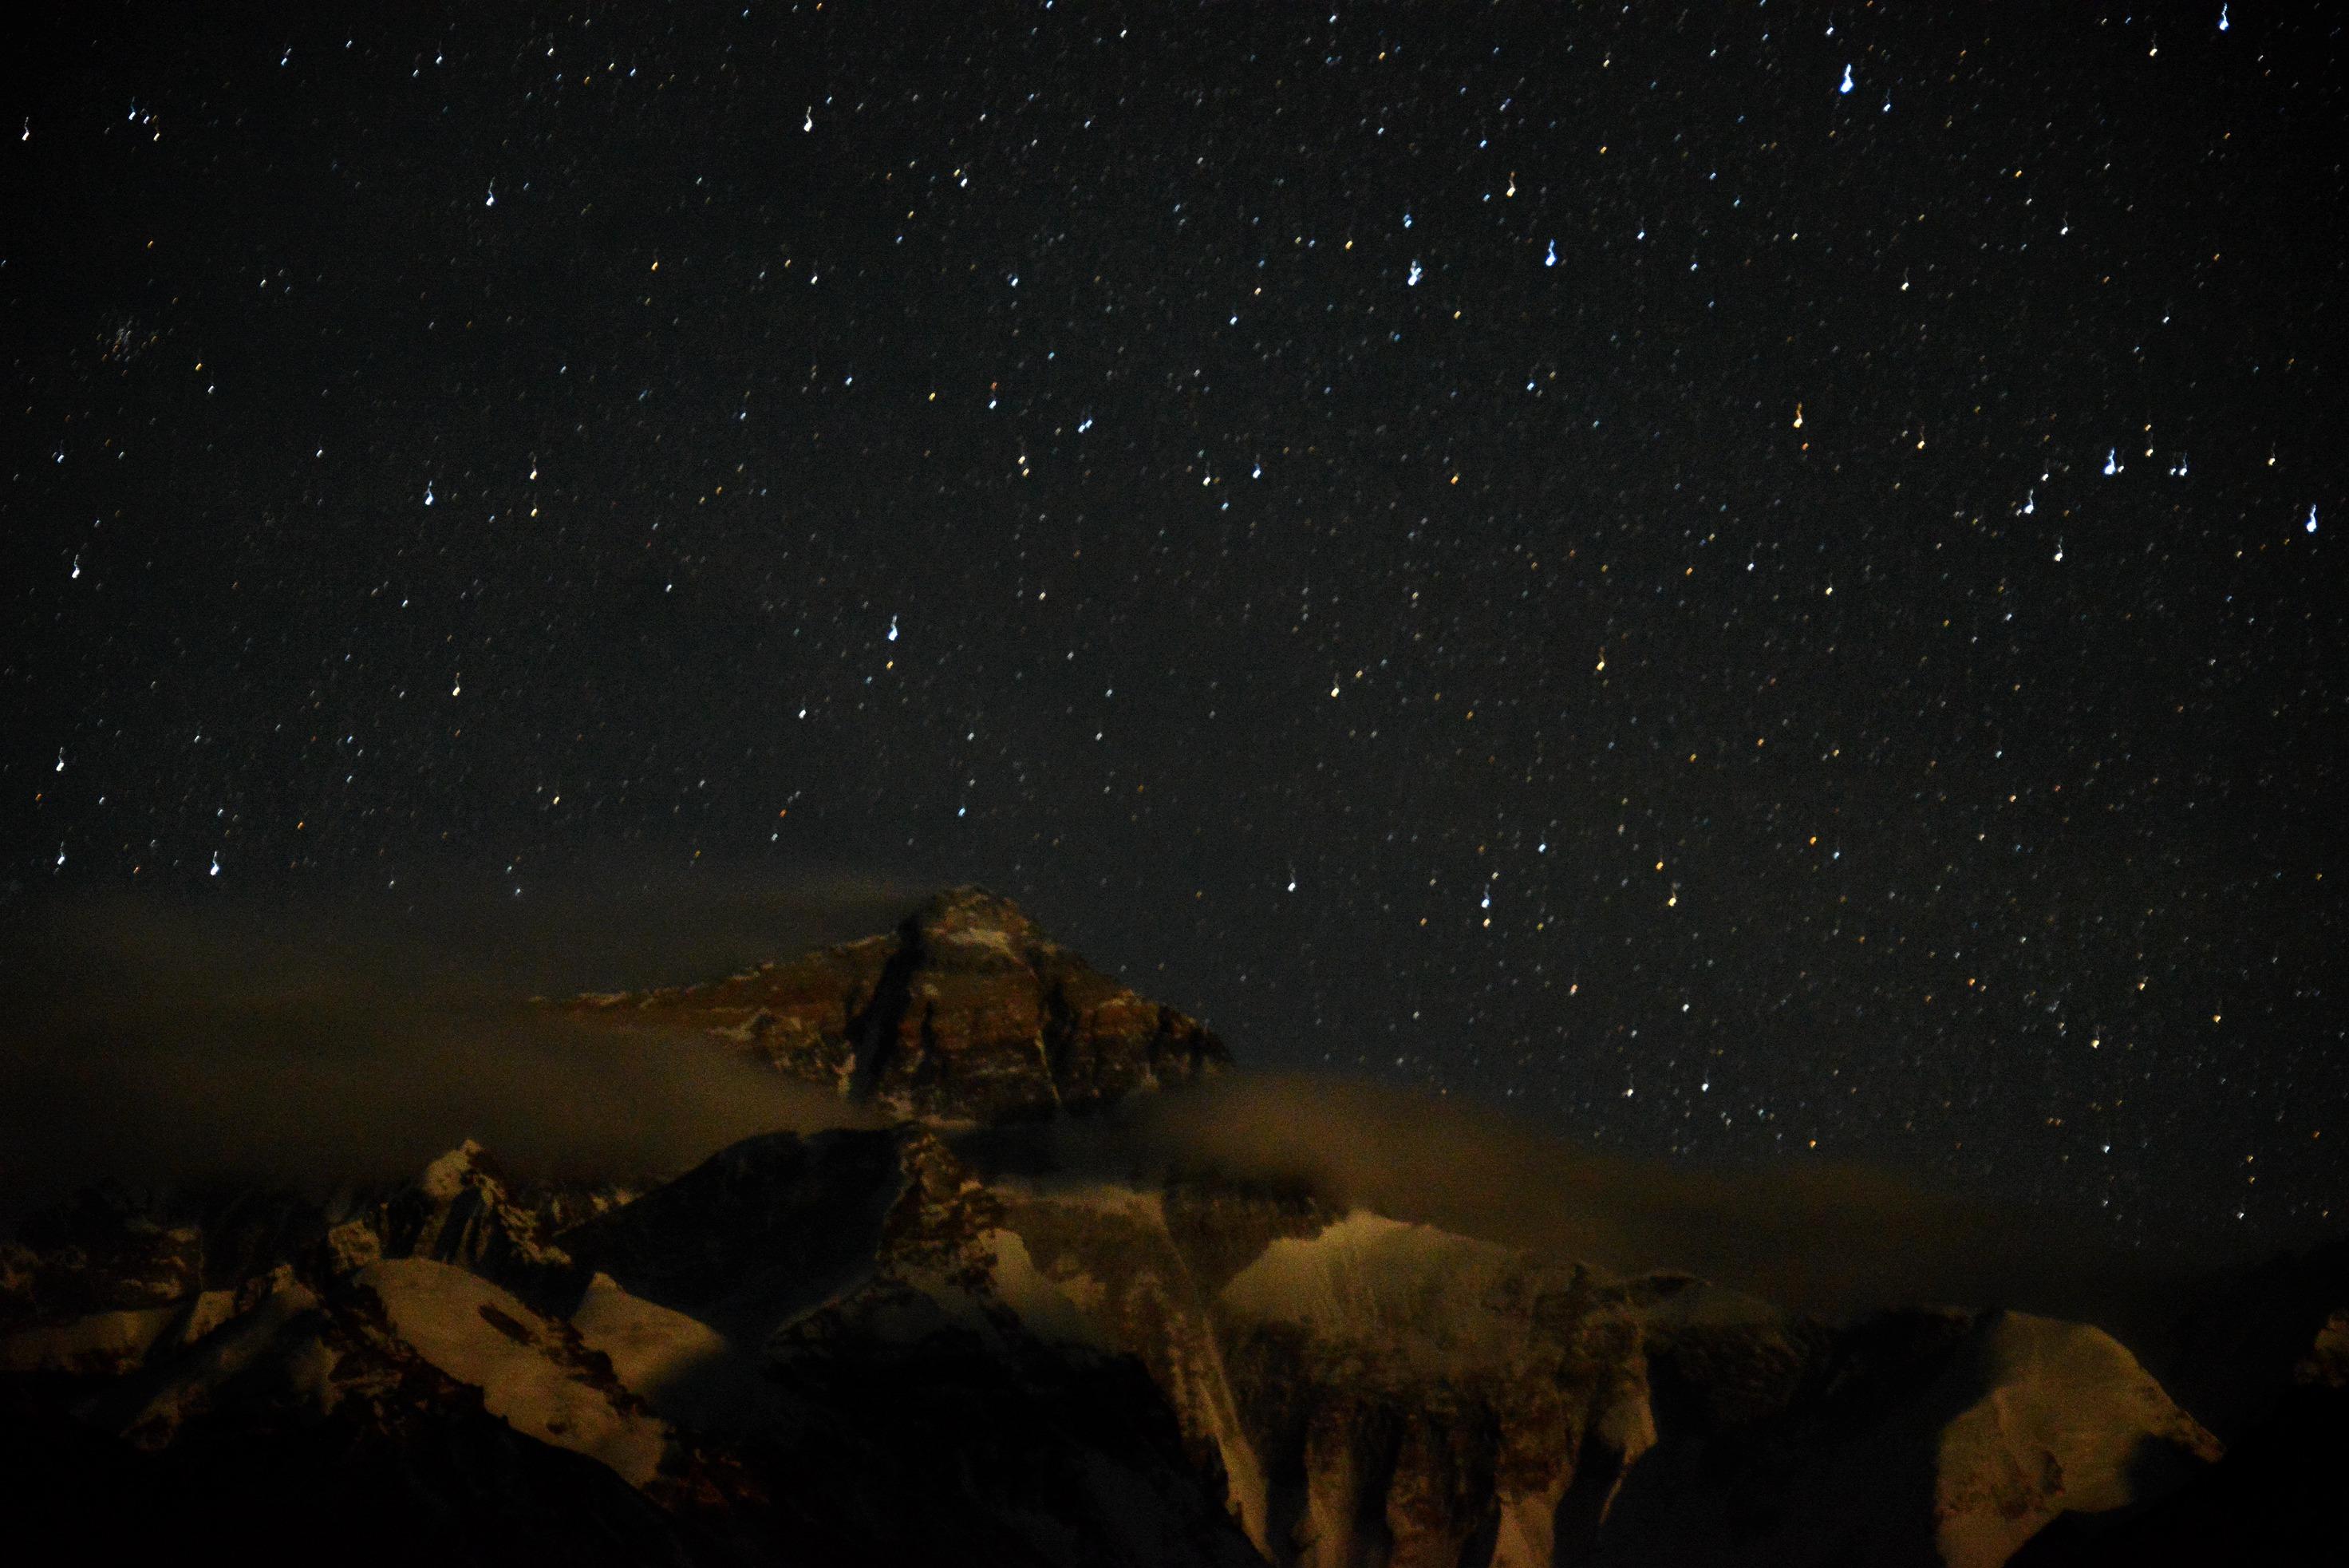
[965, 1013]
[972, 913]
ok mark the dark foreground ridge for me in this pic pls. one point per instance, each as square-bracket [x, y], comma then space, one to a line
[965, 1013]
[865, 1347]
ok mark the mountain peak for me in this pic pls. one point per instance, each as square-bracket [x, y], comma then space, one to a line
[446, 1177]
[971, 911]
[966, 1013]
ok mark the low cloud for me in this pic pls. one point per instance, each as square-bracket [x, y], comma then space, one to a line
[153, 1041]
[1833, 1238]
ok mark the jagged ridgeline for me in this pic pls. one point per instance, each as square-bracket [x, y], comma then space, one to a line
[870, 1346]
[967, 1011]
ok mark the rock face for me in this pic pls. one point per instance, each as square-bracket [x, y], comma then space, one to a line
[103, 1277]
[1417, 1398]
[966, 1012]
[870, 1346]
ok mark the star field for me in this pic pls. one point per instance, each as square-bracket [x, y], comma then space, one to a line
[1756, 584]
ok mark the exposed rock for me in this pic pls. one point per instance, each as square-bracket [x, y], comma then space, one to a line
[2275, 1500]
[1143, 1268]
[994, 1397]
[966, 1012]
[97, 1285]
[427, 1476]
[104, 1250]
[460, 1211]
[109, 1279]
[1380, 1393]
[2062, 1420]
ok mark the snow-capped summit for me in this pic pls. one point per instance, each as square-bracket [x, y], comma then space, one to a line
[966, 1013]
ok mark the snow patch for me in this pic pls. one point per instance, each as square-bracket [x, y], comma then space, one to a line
[1044, 1307]
[111, 1343]
[444, 1179]
[482, 1336]
[1418, 1292]
[680, 1366]
[992, 941]
[210, 1311]
[148, 1410]
[103, 1342]
[650, 1346]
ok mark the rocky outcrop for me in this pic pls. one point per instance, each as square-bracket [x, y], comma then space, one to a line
[109, 1279]
[462, 1210]
[966, 1012]
[1929, 1437]
[104, 1250]
[1141, 1269]
[90, 1286]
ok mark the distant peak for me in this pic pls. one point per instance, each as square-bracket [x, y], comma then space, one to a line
[967, 1011]
[444, 1179]
[972, 911]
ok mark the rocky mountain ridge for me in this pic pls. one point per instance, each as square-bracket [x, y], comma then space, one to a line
[882, 1346]
[965, 1013]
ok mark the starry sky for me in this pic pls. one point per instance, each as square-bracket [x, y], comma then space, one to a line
[1753, 583]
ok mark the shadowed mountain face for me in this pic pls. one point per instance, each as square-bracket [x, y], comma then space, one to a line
[966, 1013]
[895, 1343]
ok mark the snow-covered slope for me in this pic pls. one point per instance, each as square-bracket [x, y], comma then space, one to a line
[534, 1373]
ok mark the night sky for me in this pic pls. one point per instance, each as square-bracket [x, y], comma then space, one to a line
[1753, 582]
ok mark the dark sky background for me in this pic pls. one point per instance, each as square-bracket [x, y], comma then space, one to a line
[1755, 582]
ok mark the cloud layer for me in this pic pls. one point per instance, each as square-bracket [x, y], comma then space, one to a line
[1828, 1237]
[152, 1041]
